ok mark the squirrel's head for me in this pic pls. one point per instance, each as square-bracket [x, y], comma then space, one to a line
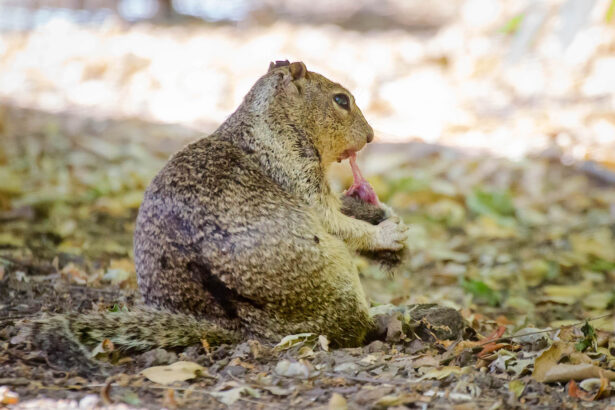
[314, 107]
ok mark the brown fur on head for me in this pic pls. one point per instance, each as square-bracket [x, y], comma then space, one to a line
[325, 111]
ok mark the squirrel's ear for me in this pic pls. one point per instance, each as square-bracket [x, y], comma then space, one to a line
[298, 70]
[278, 63]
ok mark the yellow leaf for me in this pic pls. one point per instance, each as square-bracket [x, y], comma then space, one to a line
[443, 372]
[598, 243]
[516, 387]
[337, 402]
[598, 300]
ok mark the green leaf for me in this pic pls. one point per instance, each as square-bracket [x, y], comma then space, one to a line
[408, 184]
[131, 398]
[118, 308]
[482, 292]
[600, 265]
[589, 339]
[490, 203]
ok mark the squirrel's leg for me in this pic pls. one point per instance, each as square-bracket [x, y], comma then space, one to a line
[326, 296]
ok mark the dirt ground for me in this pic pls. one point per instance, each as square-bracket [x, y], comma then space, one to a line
[518, 247]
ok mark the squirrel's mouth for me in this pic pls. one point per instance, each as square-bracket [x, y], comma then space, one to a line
[346, 154]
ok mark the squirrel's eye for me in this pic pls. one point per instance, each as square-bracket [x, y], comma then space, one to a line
[342, 100]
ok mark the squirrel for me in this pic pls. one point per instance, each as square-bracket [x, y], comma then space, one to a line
[240, 234]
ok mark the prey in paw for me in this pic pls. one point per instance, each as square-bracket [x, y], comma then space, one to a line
[361, 202]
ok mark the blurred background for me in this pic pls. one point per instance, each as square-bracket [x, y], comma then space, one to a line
[505, 109]
[513, 76]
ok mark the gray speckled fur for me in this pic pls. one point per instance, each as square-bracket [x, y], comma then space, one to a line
[225, 208]
[240, 235]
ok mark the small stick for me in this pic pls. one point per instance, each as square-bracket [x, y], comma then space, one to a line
[504, 338]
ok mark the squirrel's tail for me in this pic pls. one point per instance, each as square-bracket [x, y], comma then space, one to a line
[140, 329]
[69, 337]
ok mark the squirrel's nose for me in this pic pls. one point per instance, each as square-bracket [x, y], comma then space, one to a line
[370, 135]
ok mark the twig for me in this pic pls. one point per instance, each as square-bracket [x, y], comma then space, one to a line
[366, 379]
[44, 268]
[505, 338]
[108, 385]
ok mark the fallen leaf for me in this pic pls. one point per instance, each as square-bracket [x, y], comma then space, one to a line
[291, 340]
[7, 396]
[392, 400]
[105, 394]
[598, 300]
[490, 203]
[443, 372]
[292, 369]
[305, 352]
[131, 398]
[589, 338]
[74, 273]
[104, 347]
[322, 341]
[516, 387]
[230, 396]
[602, 386]
[337, 402]
[565, 372]
[178, 371]
[482, 292]
[8, 239]
[489, 344]
[569, 294]
[278, 391]
[549, 358]
[168, 400]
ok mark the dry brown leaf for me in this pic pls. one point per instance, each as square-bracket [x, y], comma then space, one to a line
[443, 372]
[169, 400]
[74, 273]
[550, 358]
[565, 372]
[178, 371]
[575, 391]
[106, 346]
[206, 346]
[105, 393]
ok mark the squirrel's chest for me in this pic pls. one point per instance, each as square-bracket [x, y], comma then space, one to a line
[300, 178]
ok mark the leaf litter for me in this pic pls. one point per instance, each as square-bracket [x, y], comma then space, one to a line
[520, 256]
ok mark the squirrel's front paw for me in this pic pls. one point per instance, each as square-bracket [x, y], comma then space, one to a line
[391, 235]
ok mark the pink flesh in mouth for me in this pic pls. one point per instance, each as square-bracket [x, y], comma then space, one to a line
[360, 188]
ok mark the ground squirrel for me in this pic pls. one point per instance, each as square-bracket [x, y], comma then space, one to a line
[240, 234]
